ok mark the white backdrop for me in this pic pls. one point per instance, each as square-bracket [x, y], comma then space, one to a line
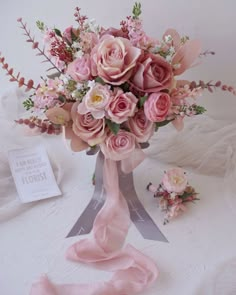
[212, 21]
[35, 239]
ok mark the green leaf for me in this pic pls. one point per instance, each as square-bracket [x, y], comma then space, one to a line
[61, 98]
[73, 36]
[125, 87]
[40, 25]
[114, 127]
[99, 80]
[163, 123]
[137, 10]
[28, 104]
[142, 100]
[58, 32]
[199, 109]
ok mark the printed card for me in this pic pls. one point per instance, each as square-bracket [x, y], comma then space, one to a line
[32, 174]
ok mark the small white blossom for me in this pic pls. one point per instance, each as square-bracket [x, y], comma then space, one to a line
[176, 66]
[172, 195]
[79, 54]
[168, 39]
[91, 84]
[169, 58]
[171, 50]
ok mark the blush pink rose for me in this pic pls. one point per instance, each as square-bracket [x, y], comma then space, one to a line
[118, 147]
[153, 73]
[157, 106]
[87, 128]
[80, 69]
[122, 106]
[175, 180]
[114, 59]
[141, 127]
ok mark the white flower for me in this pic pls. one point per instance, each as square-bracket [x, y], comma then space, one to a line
[168, 39]
[91, 84]
[79, 54]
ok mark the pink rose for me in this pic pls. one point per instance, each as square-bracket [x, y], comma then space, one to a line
[122, 106]
[175, 180]
[87, 128]
[114, 59]
[118, 147]
[114, 32]
[95, 101]
[157, 106]
[153, 73]
[141, 127]
[80, 69]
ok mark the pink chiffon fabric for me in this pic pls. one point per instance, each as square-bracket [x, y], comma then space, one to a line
[133, 271]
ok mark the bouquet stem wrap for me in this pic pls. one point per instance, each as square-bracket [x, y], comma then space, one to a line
[133, 271]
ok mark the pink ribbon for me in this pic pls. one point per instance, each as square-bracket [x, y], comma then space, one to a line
[133, 271]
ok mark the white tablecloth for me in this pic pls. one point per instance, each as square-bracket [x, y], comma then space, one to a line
[199, 258]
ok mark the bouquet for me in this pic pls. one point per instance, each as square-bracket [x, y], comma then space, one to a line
[173, 193]
[109, 90]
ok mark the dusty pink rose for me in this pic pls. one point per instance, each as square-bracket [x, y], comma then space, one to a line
[153, 73]
[118, 147]
[121, 106]
[114, 59]
[157, 106]
[175, 180]
[87, 128]
[80, 69]
[114, 32]
[95, 101]
[141, 127]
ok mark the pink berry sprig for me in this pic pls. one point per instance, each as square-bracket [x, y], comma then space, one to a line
[35, 45]
[80, 18]
[16, 77]
[44, 126]
[210, 86]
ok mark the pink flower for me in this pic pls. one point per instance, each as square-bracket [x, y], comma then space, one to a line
[95, 101]
[87, 128]
[46, 96]
[175, 180]
[153, 73]
[114, 32]
[67, 34]
[80, 69]
[115, 59]
[88, 40]
[121, 106]
[118, 147]
[141, 127]
[157, 106]
[175, 210]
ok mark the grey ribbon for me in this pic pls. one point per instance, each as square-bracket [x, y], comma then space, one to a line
[138, 214]
[84, 224]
